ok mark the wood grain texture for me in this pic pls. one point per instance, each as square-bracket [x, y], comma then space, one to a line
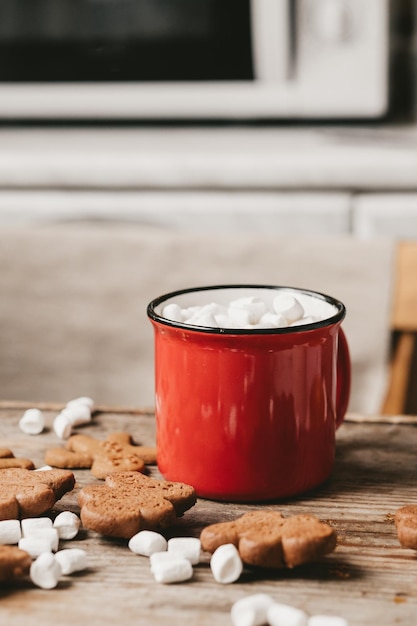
[370, 579]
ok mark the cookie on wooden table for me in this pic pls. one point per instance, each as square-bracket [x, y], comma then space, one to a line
[27, 493]
[8, 459]
[114, 454]
[406, 523]
[14, 563]
[267, 539]
[128, 502]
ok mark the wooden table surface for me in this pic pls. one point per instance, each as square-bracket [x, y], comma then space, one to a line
[369, 579]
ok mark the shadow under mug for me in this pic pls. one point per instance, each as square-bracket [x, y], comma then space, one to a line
[248, 415]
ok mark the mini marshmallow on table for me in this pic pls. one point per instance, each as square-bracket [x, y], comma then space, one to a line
[45, 571]
[188, 547]
[67, 524]
[283, 614]
[10, 531]
[32, 422]
[75, 413]
[147, 542]
[71, 560]
[168, 567]
[226, 564]
[251, 610]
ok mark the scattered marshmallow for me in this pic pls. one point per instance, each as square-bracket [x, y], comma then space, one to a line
[77, 414]
[62, 426]
[188, 547]
[160, 557]
[45, 571]
[251, 610]
[72, 560]
[82, 400]
[44, 468]
[147, 542]
[10, 532]
[32, 422]
[38, 543]
[226, 564]
[285, 615]
[32, 524]
[326, 620]
[170, 568]
[67, 524]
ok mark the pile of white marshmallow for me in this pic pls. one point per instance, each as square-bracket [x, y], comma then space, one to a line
[172, 561]
[245, 312]
[40, 537]
[75, 413]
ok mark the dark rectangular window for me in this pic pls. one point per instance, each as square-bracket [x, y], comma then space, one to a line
[124, 40]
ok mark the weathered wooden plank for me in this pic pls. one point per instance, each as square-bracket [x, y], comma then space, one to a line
[370, 579]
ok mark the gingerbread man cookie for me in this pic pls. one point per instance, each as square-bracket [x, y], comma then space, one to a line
[406, 523]
[267, 539]
[114, 454]
[128, 502]
[14, 563]
[8, 459]
[27, 493]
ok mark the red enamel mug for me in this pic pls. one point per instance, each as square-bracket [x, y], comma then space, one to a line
[249, 414]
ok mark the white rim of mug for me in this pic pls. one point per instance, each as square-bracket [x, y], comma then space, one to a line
[328, 321]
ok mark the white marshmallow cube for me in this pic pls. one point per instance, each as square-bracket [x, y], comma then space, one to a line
[307, 319]
[62, 426]
[77, 414]
[67, 524]
[84, 400]
[44, 468]
[10, 532]
[45, 571]
[288, 306]
[171, 569]
[172, 312]
[251, 610]
[226, 564]
[72, 560]
[285, 615]
[206, 319]
[32, 524]
[147, 542]
[44, 540]
[32, 422]
[188, 547]
[254, 307]
[273, 320]
[279, 309]
[326, 620]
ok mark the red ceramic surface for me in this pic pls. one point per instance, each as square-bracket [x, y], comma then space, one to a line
[249, 415]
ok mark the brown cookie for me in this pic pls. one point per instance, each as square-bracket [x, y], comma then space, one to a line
[8, 459]
[267, 539]
[115, 454]
[406, 523]
[27, 493]
[14, 563]
[130, 501]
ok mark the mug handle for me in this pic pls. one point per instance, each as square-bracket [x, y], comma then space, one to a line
[344, 374]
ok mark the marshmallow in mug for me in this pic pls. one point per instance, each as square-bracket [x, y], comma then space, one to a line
[252, 311]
